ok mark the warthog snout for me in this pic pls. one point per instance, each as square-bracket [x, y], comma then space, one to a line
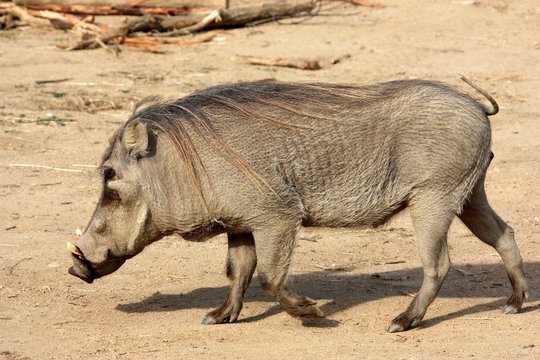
[82, 270]
[88, 271]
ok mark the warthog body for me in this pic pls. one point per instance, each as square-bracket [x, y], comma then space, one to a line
[259, 160]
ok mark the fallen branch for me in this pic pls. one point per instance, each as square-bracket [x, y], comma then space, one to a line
[214, 16]
[145, 47]
[229, 17]
[135, 3]
[210, 4]
[314, 238]
[149, 44]
[95, 41]
[161, 41]
[298, 64]
[335, 267]
[113, 50]
[68, 21]
[158, 23]
[115, 10]
[49, 184]
[12, 16]
[181, 25]
[394, 262]
[466, 273]
[40, 82]
[48, 14]
[365, 3]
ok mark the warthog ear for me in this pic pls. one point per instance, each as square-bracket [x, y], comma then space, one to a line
[127, 190]
[135, 138]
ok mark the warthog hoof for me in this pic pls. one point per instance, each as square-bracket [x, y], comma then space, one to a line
[403, 322]
[509, 309]
[395, 328]
[209, 320]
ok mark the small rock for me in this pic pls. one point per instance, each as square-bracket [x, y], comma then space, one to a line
[53, 264]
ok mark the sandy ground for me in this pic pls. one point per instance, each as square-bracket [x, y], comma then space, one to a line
[152, 307]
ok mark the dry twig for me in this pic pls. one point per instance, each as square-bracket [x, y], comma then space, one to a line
[45, 167]
[214, 16]
[149, 44]
[68, 21]
[466, 273]
[365, 3]
[40, 82]
[335, 267]
[17, 263]
[298, 64]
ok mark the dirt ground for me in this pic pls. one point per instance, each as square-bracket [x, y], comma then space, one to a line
[153, 306]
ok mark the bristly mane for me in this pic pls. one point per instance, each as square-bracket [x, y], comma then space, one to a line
[174, 118]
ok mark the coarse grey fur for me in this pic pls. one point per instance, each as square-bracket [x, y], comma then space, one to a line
[258, 160]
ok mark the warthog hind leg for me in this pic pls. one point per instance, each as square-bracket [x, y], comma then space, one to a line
[431, 221]
[491, 229]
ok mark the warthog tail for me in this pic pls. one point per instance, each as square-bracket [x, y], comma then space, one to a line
[494, 106]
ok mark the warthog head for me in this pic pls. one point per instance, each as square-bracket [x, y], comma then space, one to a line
[151, 187]
[122, 223]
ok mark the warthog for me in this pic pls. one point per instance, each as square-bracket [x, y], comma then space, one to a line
[258, 160]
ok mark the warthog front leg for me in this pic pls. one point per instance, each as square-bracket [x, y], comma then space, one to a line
[241, 263]
[274, 251]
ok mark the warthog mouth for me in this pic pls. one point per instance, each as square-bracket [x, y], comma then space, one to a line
[82, 269]
[87, 271]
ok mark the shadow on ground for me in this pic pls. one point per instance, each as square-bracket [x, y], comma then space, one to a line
[338, 291]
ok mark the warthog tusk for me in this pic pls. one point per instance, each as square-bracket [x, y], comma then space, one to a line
[78, 232]
[75, 250]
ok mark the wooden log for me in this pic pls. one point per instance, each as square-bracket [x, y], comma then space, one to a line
[161, 23]
[21, 13]
[244, 15]
[210, 4]
[95, 41]
[114, 10]
[68, 21]
[229, 18]
[193, 22]
[213, 17]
